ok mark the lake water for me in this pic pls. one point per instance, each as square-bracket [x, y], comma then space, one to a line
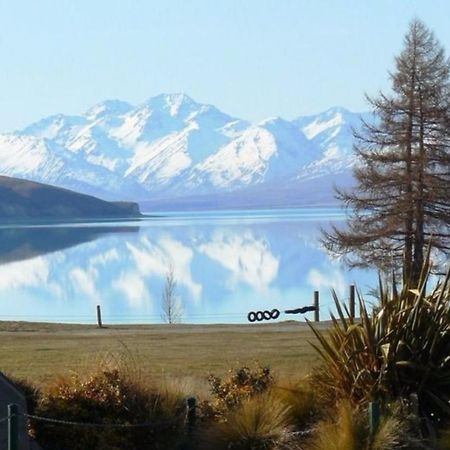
[225, 264]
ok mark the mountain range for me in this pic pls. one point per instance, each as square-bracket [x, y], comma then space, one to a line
[173, 152]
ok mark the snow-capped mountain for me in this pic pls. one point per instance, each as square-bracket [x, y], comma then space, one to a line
[171, 146]
[332, 131]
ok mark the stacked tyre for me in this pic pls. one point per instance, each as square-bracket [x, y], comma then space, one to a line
[259, 316]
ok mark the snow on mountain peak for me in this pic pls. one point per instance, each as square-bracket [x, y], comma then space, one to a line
[171, 145]
[107, 108]
[322, 123]
[174, 105]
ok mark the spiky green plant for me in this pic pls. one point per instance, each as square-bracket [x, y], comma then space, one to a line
[400, 347]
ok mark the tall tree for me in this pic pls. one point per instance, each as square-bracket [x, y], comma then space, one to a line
[402, 197]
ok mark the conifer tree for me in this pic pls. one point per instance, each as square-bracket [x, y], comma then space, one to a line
[402, 197]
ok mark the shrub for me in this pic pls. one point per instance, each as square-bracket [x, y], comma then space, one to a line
[240, 385]
[106, 397]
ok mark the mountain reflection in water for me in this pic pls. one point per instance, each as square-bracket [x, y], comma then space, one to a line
[224, 264]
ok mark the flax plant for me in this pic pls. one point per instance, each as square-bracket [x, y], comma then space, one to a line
[398, 348]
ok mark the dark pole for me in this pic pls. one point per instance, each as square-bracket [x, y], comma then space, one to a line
[99, 317]
[191, 414]
[352, 301]
[374, 417]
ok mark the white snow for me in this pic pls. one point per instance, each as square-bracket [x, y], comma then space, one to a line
[318, 126]
[172, 145]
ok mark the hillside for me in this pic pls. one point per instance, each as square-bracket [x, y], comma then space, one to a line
[22, 199]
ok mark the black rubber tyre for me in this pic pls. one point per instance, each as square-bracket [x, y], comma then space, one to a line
[259, 316]
[251, 316]
[275, 314]
[267, 315]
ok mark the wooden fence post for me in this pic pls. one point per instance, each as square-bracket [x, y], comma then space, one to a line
[99, 317]
[191, 414]
[13, 427]
[316, 306]
[374, 417]
[352, 301]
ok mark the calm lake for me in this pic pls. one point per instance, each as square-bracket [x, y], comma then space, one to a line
[225, 264]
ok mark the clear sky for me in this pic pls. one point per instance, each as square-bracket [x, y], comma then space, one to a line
[251, 58]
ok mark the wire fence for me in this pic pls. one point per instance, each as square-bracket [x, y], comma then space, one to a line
[186, 418]
[326, 307]
[161, 424]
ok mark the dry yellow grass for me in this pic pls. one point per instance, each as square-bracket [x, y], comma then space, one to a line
[40, 352]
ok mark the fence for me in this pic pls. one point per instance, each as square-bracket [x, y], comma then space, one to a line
[190, 423]
[14, 414]
[274, 314]
[258, 316]
[102, 321]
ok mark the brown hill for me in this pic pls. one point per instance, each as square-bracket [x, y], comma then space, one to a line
[21, 199]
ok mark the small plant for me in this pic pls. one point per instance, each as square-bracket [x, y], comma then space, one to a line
[261, 422]
[342, 431]
[346, 428]
[240, 385]
[301, 398]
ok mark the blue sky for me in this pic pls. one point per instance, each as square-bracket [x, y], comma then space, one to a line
[250, 58]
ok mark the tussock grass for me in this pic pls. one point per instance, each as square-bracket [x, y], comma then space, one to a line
[343, 432]
[301, 398]
[262, 422]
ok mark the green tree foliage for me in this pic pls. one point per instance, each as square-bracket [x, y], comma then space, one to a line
[402, 198]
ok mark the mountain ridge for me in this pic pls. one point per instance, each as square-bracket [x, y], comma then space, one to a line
[170, 146]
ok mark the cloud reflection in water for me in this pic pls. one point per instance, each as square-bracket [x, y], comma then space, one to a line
[223, 268]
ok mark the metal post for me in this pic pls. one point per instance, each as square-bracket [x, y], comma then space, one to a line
[414, 404]
[316, 306]
[191, 414]
[374, 417]
[99, 317]
[352, 301]
[13, 427]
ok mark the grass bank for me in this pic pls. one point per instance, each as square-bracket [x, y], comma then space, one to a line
[41, 351]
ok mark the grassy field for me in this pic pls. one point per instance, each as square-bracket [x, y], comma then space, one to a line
[40, 352]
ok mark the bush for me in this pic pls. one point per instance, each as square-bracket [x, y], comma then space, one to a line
[240, 385]
[106, 397]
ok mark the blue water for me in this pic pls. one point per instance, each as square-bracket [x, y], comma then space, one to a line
[225, 264]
